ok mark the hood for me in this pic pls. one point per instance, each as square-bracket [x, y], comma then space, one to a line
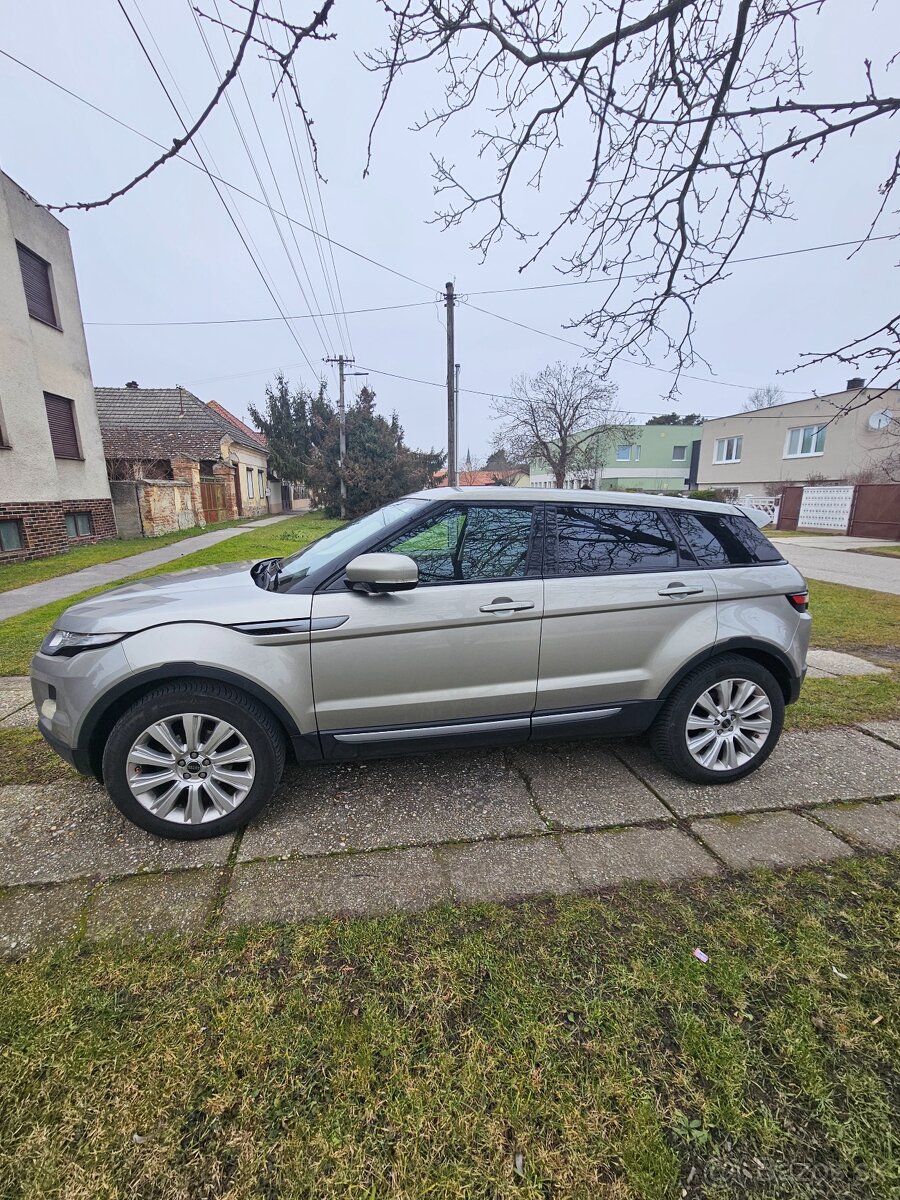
[222, 595]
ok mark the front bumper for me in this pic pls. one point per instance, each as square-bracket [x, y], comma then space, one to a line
[65, 690]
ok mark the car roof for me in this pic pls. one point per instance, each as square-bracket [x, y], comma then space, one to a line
[574, 496]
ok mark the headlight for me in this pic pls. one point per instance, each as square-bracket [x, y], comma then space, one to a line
[61, 642]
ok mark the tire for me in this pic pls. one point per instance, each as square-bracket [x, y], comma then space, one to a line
[188, 795]
[689, 729]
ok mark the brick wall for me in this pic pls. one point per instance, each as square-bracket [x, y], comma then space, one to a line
[44, 526]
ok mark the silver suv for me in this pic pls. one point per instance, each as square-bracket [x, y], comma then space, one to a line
[452, 617]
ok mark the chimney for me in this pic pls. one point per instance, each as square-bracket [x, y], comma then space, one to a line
[854, 384]
[131, 383]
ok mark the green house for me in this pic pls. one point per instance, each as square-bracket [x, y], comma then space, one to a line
[646, 458]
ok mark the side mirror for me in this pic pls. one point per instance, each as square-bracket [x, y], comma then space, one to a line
[381, 573]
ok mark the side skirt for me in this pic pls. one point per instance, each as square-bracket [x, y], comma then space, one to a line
[630, 717]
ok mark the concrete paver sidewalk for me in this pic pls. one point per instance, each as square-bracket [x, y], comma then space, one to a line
[36, 595]
[403, 834]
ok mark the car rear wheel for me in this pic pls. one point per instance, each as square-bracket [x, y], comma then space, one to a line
[193, 760]
[721, 723]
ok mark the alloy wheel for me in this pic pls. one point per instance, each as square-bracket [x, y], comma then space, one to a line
[190, 768]
[728, 724]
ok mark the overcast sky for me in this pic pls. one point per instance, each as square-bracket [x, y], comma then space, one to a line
[168, 252]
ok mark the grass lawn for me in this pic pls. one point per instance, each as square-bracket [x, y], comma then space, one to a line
[570, 1048]
[15, 575]
[20, 636]
[885, 551]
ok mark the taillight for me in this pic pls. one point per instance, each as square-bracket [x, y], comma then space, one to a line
[799, 600]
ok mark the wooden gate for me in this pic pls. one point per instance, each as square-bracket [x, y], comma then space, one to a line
[876, 511]
[789, 511]
[212, 496]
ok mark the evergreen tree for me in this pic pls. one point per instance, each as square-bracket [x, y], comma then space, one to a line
[285, 423]
[378, 466]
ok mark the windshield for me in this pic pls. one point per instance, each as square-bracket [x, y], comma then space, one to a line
[342, 541]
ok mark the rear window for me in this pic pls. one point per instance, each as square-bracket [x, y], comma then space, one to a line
[602, 540]
[720, 540]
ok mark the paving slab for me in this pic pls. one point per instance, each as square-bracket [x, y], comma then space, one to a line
[582, 785]
[874, 825]
[15, 694]
[769, 840]
[392, 802]
[835, 664]
[70, 829]
[888, 731]
[615, 856]
[173, 902]
[33, 918]
[507, 869]
[805, 768]
[382, 882]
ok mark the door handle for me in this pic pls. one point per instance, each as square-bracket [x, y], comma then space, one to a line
[677, 590]
[505, 604]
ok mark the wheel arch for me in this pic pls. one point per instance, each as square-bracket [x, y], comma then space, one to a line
[102, 716]
[765, 654]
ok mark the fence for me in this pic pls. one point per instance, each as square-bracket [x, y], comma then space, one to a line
[865, 510]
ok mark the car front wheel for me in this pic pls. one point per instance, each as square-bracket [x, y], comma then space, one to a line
[193, 760]
[721, 723]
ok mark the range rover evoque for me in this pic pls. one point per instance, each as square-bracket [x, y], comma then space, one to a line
[451, 617]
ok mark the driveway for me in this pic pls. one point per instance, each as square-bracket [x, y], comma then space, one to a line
[834, 560]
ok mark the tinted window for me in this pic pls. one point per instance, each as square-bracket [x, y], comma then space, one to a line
[717, 540]
[595, 540]
[469, 543]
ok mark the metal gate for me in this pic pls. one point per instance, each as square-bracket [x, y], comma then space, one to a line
[791, 499]
[212, 496]
[876, 511]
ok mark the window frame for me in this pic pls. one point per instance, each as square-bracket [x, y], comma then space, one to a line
[78, 456]
[821, 430]
[533, 557]
[721, 461]
[249, 479]
[260, 483]
[21, 249]
[76, 536]
[689, 561]
[20, 530]
[551, 543]
[627, 455]
[679, 458]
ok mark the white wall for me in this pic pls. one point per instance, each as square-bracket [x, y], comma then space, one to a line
[35, 358]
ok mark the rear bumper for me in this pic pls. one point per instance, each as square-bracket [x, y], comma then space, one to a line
[796, 683]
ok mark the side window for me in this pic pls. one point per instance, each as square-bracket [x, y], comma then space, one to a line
[722, 540]
[468, 543]
[601, 540]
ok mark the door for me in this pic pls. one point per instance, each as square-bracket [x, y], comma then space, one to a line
[621, 611]
[461, 648]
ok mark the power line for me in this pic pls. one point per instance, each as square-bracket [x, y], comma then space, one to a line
[374, 262]
[217, 178]
[215, 186]
[350, 312]
[540, 287]
[262, 186]
[627, 362]
[315, 174]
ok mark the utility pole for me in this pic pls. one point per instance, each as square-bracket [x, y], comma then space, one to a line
[342, 419]
[452, 472]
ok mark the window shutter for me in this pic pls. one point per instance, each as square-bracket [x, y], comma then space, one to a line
[61, 420]
[36, 281]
